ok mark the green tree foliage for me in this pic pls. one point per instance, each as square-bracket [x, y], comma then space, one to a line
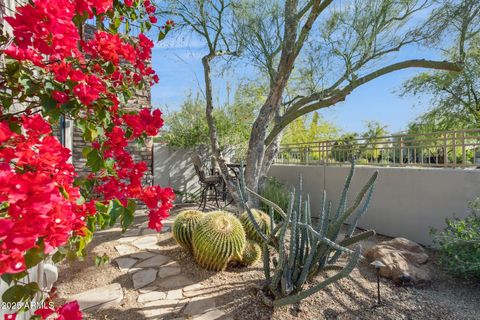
[309, 129]
[188, 128]
[455, 97]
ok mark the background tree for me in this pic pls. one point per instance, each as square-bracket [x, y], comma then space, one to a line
[455, 97]
[185, 129]
[315, 53]
[317, 39]
[309, 129]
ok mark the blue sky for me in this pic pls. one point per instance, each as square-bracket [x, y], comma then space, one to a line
[178, 64]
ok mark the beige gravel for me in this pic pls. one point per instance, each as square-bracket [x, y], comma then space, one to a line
[236, 294]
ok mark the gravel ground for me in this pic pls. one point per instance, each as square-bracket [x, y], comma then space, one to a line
[236, 294]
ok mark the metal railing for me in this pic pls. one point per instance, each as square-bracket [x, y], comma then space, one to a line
[459, 148]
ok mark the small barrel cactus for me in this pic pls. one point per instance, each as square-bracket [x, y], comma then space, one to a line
[183, 227]
[218, 239]
[251, 253]
[263, 221]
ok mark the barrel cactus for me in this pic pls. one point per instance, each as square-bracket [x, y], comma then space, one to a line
[263, 221]
[183, 227]
[218, 239]
[251, 253]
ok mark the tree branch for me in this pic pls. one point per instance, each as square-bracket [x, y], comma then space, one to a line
[315, 101]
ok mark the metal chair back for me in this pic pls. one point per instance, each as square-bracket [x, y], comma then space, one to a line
[198, 165]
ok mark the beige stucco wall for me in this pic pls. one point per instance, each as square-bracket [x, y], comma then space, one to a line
[407, 202]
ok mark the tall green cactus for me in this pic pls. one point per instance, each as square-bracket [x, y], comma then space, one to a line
[314, 247]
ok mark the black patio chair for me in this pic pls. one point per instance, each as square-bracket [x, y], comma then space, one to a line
[208, 183]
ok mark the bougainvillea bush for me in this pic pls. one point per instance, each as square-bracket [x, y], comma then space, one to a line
[50, 71]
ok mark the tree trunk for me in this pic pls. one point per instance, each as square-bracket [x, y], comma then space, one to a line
[212, 128]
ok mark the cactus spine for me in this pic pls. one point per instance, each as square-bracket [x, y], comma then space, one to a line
[263, 221]
[184, 225]
[218, 239]
[314, 247]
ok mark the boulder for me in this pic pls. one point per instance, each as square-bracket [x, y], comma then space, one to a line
[404, 261]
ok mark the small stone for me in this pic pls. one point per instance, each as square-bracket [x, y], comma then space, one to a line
[131, 233]
[125, 249]
[143, 277]
[175, 282]
[125, 263]
[98, 297]
[166, 271]
[199, 305]
[165, 229]
[210, 315]
[142, 255]
[147, 289]
[151, 296]
[194, 286]
[174, 294]
[154, 261]
[148, 242]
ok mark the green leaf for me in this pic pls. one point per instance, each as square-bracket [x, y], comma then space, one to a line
[101, 260]
[127, 219]
[34, 256]
[161, 36]
[58, 256]
[14, 294]
[116, 211]
[110, 68]
[94, 160]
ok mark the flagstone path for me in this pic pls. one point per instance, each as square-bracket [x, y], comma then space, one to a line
[162, 289]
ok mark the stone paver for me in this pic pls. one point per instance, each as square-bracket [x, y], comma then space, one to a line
[175, 282]
[142, 255]
[161, 308]
[163, 290]
[199, 305]
[154, 261]
[147, 242]
[127, 239]
[98, 297]
[125, 249]
[210, 315]
[152, 296]
[149, 231]
[174, 294]
[148, 289]
[131, 233]
[125, 263]
[143, 277]
[166, 271]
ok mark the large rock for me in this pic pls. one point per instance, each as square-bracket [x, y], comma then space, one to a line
[403, 259]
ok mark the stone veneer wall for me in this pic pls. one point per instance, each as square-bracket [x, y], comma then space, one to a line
[139, 152]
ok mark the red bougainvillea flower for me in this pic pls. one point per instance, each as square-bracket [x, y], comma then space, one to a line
[69, 311]
[60, 96]
[53, 32]
[36, 185]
